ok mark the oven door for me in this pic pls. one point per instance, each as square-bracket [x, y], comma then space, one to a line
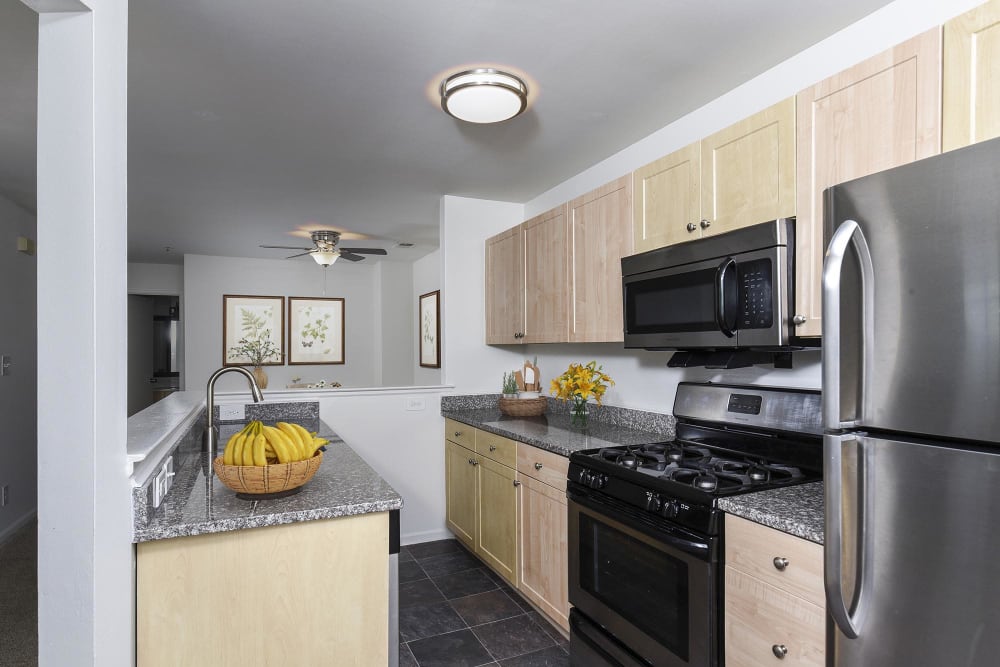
[650, 585]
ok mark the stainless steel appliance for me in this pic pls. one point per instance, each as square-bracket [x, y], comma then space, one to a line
[645, 535]
[911, 378]
[726, 291]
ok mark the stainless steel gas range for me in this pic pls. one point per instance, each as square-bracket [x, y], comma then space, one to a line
[645, 532]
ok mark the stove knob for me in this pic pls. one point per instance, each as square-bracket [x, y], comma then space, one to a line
[585, 477]
[653, 502]
[602, 481]
[670, 509]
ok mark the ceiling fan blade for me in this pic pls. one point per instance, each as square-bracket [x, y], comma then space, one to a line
[284, 247]
[365, 251]
[300, 254]
[350, 256]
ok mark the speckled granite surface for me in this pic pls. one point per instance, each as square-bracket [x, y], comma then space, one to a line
[797, 510]
[554, 432]
[271, 412]
[199, 503]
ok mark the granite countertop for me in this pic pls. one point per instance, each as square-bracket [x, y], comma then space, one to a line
[198, 503]
[797, 510]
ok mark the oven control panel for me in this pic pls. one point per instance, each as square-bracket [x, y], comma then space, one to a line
[756, 288]
[593, 479]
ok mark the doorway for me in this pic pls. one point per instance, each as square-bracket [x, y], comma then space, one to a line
[154, 349]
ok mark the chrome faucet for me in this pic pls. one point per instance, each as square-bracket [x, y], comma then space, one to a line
[211, 430]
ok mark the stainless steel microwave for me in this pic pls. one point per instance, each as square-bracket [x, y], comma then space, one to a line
[732, 290]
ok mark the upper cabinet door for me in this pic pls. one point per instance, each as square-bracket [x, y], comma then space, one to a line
[972, 77]
[600, 228]
[667, 200]
[748, 171]
[881, 113]
[546, 251]
[504, 288]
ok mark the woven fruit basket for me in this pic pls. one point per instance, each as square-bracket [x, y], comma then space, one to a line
[271, 481]
[523, 407]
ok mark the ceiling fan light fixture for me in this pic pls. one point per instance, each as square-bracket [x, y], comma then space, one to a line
[326, 257]
[483, 95]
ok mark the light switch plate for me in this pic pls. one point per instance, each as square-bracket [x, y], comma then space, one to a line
[231, 412]
[414, 404]
[5, 364]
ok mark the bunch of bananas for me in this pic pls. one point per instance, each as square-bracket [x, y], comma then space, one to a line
[261, 445]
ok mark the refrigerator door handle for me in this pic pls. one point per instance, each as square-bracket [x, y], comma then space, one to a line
[849, 618]
[848, 234]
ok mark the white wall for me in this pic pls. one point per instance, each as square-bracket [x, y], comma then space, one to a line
[19, 389]
[207, 278]
[155, 278]
[397, 330]
[426, 278]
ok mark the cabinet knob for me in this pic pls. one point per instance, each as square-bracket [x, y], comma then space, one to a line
[799, 320]
[691, 226]
[517, 483]
[493, 448]
[780, 563]
[470, 462]
[538, 466]
[475, 462]
[779, 651]
[458, 433]
[705, 224]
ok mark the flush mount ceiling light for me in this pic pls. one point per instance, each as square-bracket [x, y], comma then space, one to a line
[325, 257]
[483, 95]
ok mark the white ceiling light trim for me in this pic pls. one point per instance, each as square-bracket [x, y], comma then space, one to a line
[483, 95]
[326, 257]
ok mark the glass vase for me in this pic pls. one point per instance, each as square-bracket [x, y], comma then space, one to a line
[579, 412]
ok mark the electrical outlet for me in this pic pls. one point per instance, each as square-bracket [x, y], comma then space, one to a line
[159, 482]
[5, 364]
[168, 475]
[232, 412]
[414, 404]
[4, 495]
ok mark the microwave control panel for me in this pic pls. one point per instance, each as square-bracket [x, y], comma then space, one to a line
[756, 288]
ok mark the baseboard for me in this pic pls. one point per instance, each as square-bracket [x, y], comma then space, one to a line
[9, 531]
[425, 536]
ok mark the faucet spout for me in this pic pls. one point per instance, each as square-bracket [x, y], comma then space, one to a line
[211, 430]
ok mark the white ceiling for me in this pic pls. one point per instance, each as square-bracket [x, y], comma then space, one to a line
[251, 119]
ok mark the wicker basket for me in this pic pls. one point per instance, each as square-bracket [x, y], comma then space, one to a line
[523, 407]
[267, 480]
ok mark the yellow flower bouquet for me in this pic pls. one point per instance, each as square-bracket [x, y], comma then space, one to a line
[580, 383]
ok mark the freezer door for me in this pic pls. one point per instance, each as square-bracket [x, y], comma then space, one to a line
[919, 269]
[912, 565]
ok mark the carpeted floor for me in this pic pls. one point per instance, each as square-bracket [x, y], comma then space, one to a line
[19, 599]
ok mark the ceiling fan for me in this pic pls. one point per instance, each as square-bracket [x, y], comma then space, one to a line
[325, 250]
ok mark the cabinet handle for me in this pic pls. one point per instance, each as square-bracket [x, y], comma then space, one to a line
[779, 651]
[691, 226]
[475, 462]
[458, 433]
[705, 224]
[799, 320]
[517, 483]
[493, 448]
[780, 563]
[538, 466]
[470, 462]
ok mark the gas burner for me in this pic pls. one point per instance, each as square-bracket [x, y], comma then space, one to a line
[706, 478]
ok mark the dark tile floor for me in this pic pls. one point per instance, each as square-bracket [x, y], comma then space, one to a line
[455, 612]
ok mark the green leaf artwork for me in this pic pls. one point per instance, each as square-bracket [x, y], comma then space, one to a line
[314, 328]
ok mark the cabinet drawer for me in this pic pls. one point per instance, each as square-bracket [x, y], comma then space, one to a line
[461, 433]
[753, 549]
[760, 619]
[496, 447]
[543, 465]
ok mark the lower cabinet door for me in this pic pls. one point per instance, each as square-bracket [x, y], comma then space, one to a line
[544, 559]
[497, 518]
[764, 623]
[460, 492]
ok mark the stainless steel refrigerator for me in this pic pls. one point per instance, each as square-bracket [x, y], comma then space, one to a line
[911, 391]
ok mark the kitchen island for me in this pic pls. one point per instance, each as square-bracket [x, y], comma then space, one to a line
[297, 580]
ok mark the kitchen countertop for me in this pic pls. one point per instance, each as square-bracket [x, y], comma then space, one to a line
[797, 510]
[197, 504]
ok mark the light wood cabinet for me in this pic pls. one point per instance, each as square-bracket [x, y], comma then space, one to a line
[505, 288]
[748, 170]
[295, 594]
[460, 485]
[667, 206]
[496, 509]
[600, 234]
[971, 80]
[881, 113]
[546, 251]
[773, 597]
[544, 574]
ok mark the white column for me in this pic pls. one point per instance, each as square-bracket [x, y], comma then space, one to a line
[85, 564]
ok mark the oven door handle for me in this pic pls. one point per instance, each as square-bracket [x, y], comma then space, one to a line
[722, 318]
[671, 537]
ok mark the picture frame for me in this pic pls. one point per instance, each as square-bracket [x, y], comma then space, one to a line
[316, 331]
[252, 317]
[429, 329]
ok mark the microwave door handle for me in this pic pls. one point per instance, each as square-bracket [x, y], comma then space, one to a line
[721, 318]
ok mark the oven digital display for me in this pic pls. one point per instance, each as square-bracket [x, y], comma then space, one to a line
[746, 404]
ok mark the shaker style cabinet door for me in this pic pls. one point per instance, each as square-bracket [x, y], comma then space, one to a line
[667, 207]
[497, 518]
[545, 277]
[881, 113]
[972, 77]
[748, 171]
[505, 288]
[600, 230]
[460, 492]
[544, 557]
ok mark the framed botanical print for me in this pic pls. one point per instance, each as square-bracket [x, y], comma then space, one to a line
[253, 330]
[430, 329]
[315, 330]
